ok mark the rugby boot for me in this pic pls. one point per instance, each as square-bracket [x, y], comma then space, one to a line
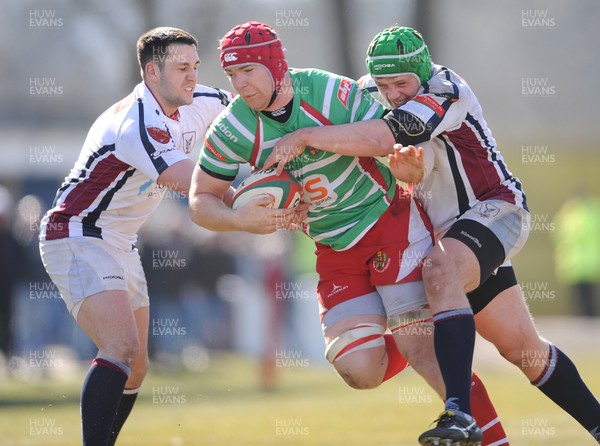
[453, 429]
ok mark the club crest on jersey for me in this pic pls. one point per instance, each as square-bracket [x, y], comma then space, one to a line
[381, 261]
[344, 91]
[189, 141]
[159, 135]
[314, 154]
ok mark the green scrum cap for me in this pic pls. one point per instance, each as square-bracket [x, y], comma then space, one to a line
[399, 50]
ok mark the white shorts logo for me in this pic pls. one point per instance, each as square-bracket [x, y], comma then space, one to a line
[230, 57]
[487, 210]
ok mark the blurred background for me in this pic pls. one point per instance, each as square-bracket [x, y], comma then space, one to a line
[531, 63]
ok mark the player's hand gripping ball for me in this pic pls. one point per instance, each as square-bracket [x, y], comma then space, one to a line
[284, 189]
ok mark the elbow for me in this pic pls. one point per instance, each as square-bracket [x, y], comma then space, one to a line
[383, 144]
[196, 204]
[194, 210]
[209, 212]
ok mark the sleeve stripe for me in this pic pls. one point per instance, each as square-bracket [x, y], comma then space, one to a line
[216, 141]
[327, 96]
[158, 162]
[217, 164]
[371, 113]
[220, 95]
[216, 175]
[356, 105]
[239, 127]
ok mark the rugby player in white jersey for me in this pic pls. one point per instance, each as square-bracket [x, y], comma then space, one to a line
[480, 219]
[369, 276]
[87, 239]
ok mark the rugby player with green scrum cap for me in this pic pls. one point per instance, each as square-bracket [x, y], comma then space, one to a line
[361, 292]
[399, 50]
[480, 220]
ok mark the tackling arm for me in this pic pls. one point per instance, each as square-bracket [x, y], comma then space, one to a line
[365, 138]
[178, 176]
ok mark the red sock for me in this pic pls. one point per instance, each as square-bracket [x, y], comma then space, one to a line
[396, 362]
[485, 415]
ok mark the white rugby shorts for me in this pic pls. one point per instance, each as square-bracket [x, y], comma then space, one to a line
[83, 266]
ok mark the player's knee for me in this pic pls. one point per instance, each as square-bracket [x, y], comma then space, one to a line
[525, 353]
[362, 370]
[138, 373]
[140, 366]
[125, 351]
[358, 354]
[438, 271]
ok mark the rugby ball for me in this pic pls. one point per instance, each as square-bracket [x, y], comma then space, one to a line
[284, 189]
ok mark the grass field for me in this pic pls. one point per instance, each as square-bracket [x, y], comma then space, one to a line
[224, 405]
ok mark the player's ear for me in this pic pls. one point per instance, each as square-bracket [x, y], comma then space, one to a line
[151, 72]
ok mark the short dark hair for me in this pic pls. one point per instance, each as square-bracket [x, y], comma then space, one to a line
[157, 40]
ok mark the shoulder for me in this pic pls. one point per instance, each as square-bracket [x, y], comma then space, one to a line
[235, 124]
[316, 75]
[367, 83]
[138, 122]
[121, 117]
[446, 82]
[322, 84]
[237, 110]
[204, 93]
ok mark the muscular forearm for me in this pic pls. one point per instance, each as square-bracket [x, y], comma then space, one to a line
[364, 138]
[210, 212]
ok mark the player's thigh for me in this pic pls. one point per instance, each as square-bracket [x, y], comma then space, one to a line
[107, 318]
[82, 267]
[451, 264]
[353, 325]
[503, 279]
[507, 323]
[494, 230]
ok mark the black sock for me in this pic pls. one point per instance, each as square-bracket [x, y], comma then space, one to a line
[100, 397]
[127, 401]
[454, 341]
[560, 381]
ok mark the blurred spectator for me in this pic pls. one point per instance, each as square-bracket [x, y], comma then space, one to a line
[9, 264]
[182, 264]
[577, 255]
[38, 313]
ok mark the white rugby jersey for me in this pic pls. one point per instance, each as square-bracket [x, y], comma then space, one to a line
[463, 165]
[111, 190]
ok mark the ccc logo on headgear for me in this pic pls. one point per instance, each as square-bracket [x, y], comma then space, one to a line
[230, 57]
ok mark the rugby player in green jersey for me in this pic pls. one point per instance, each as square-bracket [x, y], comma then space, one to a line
[480, 221]
[369, 275]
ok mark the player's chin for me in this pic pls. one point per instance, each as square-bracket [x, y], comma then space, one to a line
[255, 102]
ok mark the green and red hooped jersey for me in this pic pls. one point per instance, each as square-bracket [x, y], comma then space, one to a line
[346, 194]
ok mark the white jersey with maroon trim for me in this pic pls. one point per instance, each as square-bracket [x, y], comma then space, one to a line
[463, 165]
[111, 190]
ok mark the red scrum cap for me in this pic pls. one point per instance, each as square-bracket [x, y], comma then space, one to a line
[254, 42]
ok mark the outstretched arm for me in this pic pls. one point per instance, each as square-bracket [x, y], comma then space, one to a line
[364, 138]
